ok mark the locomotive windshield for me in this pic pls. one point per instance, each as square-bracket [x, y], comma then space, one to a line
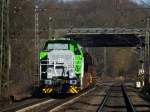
[57, 46]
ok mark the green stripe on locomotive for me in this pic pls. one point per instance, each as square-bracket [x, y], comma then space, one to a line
[73, 47]
[77, 50]
[43, 54]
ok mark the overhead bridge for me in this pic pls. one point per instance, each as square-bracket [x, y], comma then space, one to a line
[105, 37]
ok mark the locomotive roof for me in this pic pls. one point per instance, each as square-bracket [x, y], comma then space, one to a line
[61, 40]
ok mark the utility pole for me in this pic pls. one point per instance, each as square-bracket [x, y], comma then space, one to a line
[36, 26]
[4, 49]
[36, 41]
[37, 36]
[147, 54]
[1, 45]
[51, 36]
[105, 61]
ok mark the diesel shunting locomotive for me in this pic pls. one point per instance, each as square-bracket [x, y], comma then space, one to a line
[65, 67]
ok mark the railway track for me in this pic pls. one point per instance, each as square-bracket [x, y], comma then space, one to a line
[70, 101]
[86, 102]
[122, 102]
[121, 99]
[108, 97]
[22, 104]
[44, 104]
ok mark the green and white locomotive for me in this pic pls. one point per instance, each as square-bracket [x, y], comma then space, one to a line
[62, 67]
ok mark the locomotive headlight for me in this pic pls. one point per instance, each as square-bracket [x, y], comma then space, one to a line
[49, 73]
[73, 82]
[48, 82]
[71, 74]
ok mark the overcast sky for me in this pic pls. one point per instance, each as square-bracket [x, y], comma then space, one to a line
[138, 1]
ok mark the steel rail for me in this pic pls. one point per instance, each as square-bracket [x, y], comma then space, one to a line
[129, 104]
[105, 99]
[71, 100]
[20, 105]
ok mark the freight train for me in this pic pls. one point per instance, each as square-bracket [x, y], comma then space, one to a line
[65, 67]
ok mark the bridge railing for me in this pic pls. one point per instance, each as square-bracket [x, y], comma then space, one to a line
[67, 31]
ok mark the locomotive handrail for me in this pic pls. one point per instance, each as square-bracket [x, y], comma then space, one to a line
[46, 64]
[48, 60]
[56, 65]
[45, 60]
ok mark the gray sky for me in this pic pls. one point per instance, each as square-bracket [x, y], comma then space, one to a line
[138, 1]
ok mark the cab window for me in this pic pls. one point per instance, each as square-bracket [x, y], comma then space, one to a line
[77, 52]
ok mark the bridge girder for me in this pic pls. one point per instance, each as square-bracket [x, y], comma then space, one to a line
[105, 37]
[78, 31]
